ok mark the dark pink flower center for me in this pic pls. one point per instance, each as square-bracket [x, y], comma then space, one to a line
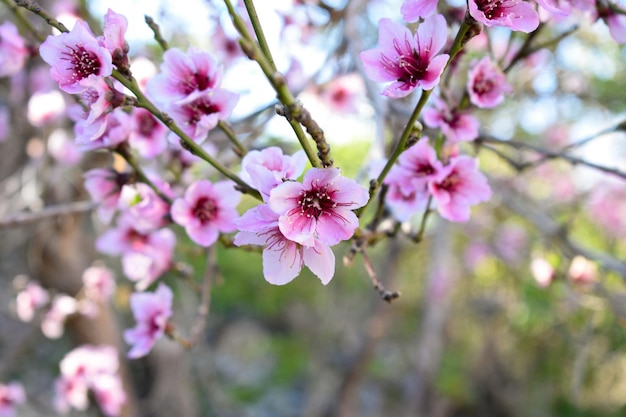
[198, 108]
[205, 210]
[482, 85]
[196, 81]
[316, 201]
[136, 240]
[451, 182]
[408, 68]
[83, 63]
[147, 124]
[495, 9]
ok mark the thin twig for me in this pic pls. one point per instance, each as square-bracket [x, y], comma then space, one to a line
[47, 213]
[156, 30]
[39, 11]
[388, 296]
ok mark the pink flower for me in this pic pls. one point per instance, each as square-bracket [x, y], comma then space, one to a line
[147, 210]
[148, 135]
[99, 283]
[104, 187]
[514, 14]
[151, 311]
[343, 94]
[29, 300]
[413, 10]
[53, 322]
[487, 84]
[206, 210]
[282, 258]
[459, 186]
[101, 98]
[583, 271]
[115, 26]
[183, 74]
[542, 271]
[76, 59]
[94, 368]
[615, 19]
[409, 61]
[319, 208]
[11, 395]
[268, 168]
[607, 205]
[201, 111]
[44, 108]
[62, 148]
[145, 255]
[114, 130]
[13, 52]
[455, 125]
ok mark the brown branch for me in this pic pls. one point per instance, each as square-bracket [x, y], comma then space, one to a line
[47, 213]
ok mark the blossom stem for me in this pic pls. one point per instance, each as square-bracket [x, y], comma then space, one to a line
[239, 149]
[401, 145]
[254, 51]
[420, 233]
[258, 30]
[156, 30]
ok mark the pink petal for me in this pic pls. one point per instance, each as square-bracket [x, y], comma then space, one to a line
[320, 259]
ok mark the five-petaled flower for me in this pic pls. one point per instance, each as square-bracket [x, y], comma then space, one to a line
[515, 14]
[408, 60]
[76, 58]
[487, 84]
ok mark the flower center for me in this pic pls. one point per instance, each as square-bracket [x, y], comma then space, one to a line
[315, 202]
[205, 210]
[83, 62]
[450, 182]
[147, 124]
[200, 107]
[494, 9]
[483, 85]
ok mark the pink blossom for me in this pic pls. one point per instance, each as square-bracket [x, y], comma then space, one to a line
[514, 14]
[13, 51]
[183, 74]
[11, 395]
[459, 186]
[145, 256]
[607, 205]
[615, 19]
[94, 368]
[413, 10]
[140, 203]
[319, 208]
[151, 311]
[104, 187]
[29, 300]
[583, 271]
[404, 204]
[101, 98]
[487, 84]
[148, 135]
[53, 322]
[410, 61]
[115, 26]
[415, 168]
[76, 59]
[282, 258]
[206, 210]
[116, 130]
[268, 168]
[342, 94]
[99, 283]
[201, 111]
[542, 271]
[456, 126]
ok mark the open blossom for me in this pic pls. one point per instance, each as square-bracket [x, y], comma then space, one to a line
[487, 84]
[13, 52]
[116, 129]
[459, 186]
[267, 168]
[76, 58]
[206, 210]
[99, 283]
[53, 322]
[86, 368]
[343, 94]
[413, 10]
[282, 258]
[151, 311]
[148, 135]
[318, 208]
[515, 14]
[201, 111]
[406, 60]
[141, 203]
[11, 395]
[104, 187]
[455, 125]
[183, 74]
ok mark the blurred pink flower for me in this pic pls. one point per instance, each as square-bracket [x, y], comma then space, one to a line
[455, 125]
[116, 130]
[487, 84]
[282, 258]
[104, 187]
[151, 311]
[53, 322]
[147, 210]
[99, 283]
[542, 271]
[267, 168]
[63, 148]
[319, 208]
[514, 14]
[13, 51]
[45, 107]
[206, 210]
[459, 186]
[31, 298]
[148, 135]
[410, 61]
[607, 207]
[413, 10]
[342, 94]
[11, 395]
[76, 59]
[583, 271]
